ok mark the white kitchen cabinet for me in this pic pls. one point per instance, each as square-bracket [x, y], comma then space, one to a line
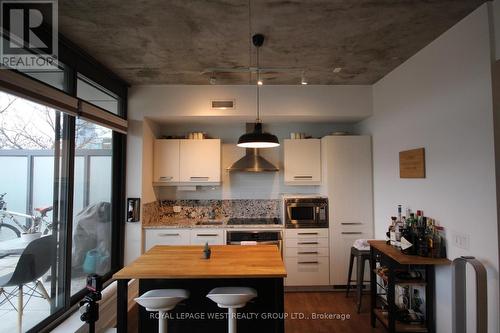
[172, 236]
[200, 161]
[302, 161]
[307, 257]
[166, 161]
[187, 162]
[202, 236]
[347, 181]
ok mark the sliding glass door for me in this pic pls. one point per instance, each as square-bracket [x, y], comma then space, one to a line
[32, 275]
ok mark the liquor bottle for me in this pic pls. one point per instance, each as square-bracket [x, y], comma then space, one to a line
[407, 238]
[392, 231]
[422, 249]
[429, 238]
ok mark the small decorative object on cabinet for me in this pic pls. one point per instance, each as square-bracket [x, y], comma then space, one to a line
[402, 289]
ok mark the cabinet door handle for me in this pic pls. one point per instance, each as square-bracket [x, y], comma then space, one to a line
[351, 223]
[311, 252]
[351, 232]
[307, 233]
[307, 243]
[207, 235]
[168, 235]
[166, 178]
[302, 177]
[308, 262]
[195, 178]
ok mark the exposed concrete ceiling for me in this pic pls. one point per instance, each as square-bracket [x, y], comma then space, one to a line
[172, 42]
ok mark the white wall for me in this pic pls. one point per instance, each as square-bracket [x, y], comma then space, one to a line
[495, 11]
[308, 103]
[441, 99]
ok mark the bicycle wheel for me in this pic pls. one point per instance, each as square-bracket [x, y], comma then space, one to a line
[8, 231]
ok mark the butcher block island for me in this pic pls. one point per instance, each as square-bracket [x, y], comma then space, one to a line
[164, 267]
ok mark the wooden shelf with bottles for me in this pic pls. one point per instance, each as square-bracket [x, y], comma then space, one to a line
[383, 306]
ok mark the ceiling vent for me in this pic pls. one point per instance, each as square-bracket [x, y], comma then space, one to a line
[222, 104]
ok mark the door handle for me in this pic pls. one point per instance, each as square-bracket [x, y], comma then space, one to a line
[207, 235]
[199, 178]
[166, 178]
[307, 243]
[307, 233]
[351, 233]
[351, 223]
[169, 235]
[312, 252]
[302, 177]
[308, 262]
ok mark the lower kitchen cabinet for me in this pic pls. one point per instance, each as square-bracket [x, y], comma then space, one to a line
[210, 236]
[174, 236]
[307, 257]
[178, 236]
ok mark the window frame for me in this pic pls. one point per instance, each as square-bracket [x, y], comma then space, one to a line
[76, 62]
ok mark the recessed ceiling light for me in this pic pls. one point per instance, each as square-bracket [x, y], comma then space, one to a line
[337, 69]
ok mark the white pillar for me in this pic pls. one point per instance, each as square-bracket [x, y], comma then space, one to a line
[231, 320]
[162, 322]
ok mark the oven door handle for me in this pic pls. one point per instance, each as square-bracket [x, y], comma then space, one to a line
[276, 242]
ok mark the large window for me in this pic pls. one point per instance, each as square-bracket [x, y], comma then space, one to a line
[61, 193]
[31, 269]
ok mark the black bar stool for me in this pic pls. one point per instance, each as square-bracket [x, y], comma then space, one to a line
[361, 256]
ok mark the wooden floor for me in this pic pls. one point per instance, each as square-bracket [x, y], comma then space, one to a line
[329, 303]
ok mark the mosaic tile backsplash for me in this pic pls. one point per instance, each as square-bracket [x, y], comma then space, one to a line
[162, 212]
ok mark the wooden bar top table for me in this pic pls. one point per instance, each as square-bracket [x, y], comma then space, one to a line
[393, 259]
[258, 266]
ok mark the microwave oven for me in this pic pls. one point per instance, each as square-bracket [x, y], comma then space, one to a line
[305, 212]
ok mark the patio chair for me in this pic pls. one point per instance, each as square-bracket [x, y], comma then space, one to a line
[33, 263]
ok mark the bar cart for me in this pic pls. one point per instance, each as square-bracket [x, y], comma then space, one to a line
[393, 272]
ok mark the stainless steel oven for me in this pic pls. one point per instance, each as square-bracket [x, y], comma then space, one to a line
[255, 237]
[306, 212]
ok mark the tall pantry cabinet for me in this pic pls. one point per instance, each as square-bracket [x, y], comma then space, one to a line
[347, 181]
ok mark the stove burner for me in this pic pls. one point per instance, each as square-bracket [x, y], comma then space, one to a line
[253, 220]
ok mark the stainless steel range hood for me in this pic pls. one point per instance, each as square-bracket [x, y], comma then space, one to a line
[252, 161]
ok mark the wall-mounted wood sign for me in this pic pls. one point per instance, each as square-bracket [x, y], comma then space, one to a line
[412, 163]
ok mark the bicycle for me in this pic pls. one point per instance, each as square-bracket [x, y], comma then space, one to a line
[36, 222]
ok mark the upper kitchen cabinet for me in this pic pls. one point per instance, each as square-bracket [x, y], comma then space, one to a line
[187, 162]
[166, 161]
[200, 161]
[302, 162]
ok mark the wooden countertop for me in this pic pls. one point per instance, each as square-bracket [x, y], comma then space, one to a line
[185, 262]
[404, 259]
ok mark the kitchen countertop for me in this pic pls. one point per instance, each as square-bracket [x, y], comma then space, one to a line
[192, 224]
[185, 262]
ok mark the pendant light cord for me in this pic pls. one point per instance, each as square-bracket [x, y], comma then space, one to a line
[249, 41]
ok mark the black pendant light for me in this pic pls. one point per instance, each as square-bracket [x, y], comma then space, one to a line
[257, 138]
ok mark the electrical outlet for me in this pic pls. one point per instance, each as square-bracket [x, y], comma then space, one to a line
[460, 240]
[177, 209]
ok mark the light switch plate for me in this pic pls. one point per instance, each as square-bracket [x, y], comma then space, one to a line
[460, 240]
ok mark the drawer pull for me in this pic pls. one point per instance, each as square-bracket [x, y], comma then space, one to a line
[302, 177]
[199, 178]
[307, 243]
[308, 262]
[166, 178]
[307, 233]
[351, 233]
[169, 235]
[351, 223]
[207, 235]
[311, 252]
